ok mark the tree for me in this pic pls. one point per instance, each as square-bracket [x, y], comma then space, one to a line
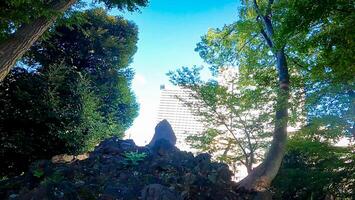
[262, 176]
[274, 52]
[19, 30]
[237, 115]
[321, 45]
[317, 170]
[102, 47]
[299, 39]
[74, 92]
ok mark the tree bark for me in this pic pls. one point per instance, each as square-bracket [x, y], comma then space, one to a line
[13, 48]
[261, 177]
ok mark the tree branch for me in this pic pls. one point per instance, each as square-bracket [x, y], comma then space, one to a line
[268, 10]
[257, 9]
[267, 39]
[247, 42]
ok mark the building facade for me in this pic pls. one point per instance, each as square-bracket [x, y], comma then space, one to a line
[183, 122]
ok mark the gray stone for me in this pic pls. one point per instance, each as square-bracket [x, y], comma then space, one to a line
[163, 130]
[113, 146]
[159, 192]
[163, 147]
[263, 195]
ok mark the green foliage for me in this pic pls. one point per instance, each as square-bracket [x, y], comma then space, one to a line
[14, 13]
[133, 158]
[315, 170]
[102, 48]
[237, 114]
[320, 63]
[205, 142]
[56, 177]
[38, 173]
[322, 29]
[322, 43]
[73, 92]
[318, 38]
[38, 170]
[130, 5]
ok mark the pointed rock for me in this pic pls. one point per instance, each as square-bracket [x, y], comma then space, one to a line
[163, 130]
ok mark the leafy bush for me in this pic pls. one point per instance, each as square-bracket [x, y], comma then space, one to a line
[315, 170]
[132, 158]
[74, 92]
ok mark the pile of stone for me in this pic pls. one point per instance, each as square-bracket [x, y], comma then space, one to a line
[119, 169]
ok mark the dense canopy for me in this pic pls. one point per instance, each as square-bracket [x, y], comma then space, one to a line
[70, 92]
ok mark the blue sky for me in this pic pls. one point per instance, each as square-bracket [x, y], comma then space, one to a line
[168, 34]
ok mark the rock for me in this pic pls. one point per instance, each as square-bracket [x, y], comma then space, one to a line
[203, 161]
[114, 146]
[165, 173]
[65, 158]
[64, 171]
[13, 196]
[263, 195]
[163, 130]
[203, 158]
[224, 174]
[82, 156]
[162, 147]
[62, 158]
[112, 150]
[159, 192]
[36, 194]
[55, 191]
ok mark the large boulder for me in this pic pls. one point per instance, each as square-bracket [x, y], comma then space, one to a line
[113, 146]
[163, 131]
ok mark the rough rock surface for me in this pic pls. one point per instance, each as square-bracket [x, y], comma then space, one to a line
[163, 130]
[159, 192]
[110, 172]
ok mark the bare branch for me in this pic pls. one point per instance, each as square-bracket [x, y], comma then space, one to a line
[267, 39]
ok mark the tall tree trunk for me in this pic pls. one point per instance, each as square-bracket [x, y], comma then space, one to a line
[13, 48]
[260, 178]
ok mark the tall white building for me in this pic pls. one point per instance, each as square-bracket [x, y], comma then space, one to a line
[183, 122]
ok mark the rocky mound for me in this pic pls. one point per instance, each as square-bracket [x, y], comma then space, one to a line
[118, 169]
